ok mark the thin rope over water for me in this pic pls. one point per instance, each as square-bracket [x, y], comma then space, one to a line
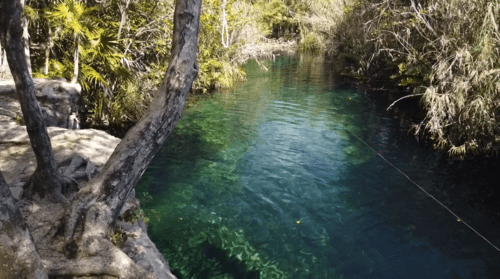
[458, 218]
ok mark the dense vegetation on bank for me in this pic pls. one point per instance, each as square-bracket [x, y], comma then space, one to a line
[118, 49]
[446, 51]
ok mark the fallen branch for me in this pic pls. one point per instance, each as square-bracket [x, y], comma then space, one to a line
[408, 96]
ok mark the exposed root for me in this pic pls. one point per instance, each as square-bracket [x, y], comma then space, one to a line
[99, 257]
[90, 256]
[46, 186]
[60, 187]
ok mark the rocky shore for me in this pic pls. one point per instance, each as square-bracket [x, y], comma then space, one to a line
[93, 148]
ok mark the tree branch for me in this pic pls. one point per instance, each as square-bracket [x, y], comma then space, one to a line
[408, 96]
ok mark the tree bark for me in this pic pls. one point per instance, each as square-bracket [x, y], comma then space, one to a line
[18, 255]
[92, 214]
[101, 201]
[46, 181]
[4, 66]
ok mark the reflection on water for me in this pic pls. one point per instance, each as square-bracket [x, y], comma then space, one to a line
[268, 181]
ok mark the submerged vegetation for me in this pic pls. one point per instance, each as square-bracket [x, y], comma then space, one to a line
[195, 239]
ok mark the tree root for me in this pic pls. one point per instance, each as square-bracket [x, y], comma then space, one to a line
[99, 257]
[64, 185]
[47, 186]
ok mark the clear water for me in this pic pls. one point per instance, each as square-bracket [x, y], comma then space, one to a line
[268, 181]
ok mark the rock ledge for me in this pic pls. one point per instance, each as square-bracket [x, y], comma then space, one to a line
[17, 162]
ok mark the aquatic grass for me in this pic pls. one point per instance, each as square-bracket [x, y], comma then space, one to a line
[198, 244]
[194, 239]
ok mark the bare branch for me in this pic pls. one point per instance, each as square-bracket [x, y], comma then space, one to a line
[408, 96]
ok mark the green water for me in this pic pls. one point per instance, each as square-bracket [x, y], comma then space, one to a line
[269, 181]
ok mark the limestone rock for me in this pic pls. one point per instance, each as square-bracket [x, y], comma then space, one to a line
[57, 98]
[17, 162]
[144, 252]
[17, 192]
[17, 159]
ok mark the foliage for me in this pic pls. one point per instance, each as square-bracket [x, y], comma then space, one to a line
[19, 120]
[118, 238]
[271, 13]
[73, 18]
[444, 50]
[125, 49]
[312, 42]
[136, 215]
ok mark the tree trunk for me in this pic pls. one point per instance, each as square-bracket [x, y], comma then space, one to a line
[48, 47]
[84, 225]
[224, 31]
[75, 61]
[46, 181]
[4, 66]
[101, 201]
[123, 11]
[18, 255]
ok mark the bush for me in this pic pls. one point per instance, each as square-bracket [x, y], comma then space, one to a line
[312, 42]
[447, 51]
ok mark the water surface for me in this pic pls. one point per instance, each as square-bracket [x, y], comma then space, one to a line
[271, 181]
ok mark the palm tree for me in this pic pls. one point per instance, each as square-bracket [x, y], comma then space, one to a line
[74, 18]
[102, 67]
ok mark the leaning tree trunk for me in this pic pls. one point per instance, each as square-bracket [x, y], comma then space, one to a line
[18, 255]
[123, 11]
[100, 202]
[46, 180]
[95, 208]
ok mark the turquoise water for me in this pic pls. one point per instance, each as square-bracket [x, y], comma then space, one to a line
[269, 181]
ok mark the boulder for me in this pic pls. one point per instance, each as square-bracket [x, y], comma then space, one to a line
[57, 98]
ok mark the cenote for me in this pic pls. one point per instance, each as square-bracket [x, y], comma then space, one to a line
[270, 181]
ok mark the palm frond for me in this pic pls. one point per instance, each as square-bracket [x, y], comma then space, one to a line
[92, 75]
